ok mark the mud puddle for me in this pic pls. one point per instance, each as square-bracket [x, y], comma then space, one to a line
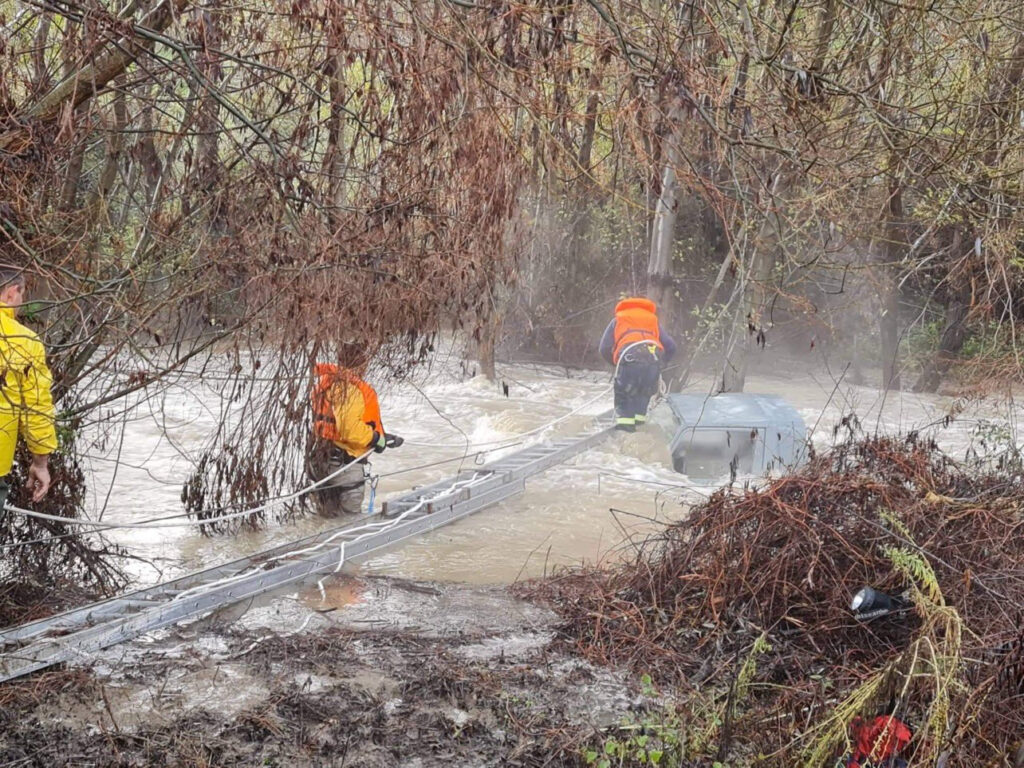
[367, 672]
[332, 594]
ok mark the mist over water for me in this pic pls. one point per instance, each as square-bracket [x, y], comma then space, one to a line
[587, 510]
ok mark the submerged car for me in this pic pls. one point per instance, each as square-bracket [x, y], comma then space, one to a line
[731, 433]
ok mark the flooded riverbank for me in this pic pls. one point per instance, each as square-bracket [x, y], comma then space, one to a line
[583, 511]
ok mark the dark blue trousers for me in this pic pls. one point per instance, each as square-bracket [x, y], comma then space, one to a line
[635, 384]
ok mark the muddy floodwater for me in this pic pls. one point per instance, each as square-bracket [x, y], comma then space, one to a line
[586, 510]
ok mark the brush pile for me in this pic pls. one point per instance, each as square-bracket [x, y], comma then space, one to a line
[744, 610]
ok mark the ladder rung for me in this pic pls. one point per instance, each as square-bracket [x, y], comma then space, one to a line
[199, 593]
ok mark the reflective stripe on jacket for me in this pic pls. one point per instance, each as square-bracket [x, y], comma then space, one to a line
[345, 409]
[635, 320]
[26, 405]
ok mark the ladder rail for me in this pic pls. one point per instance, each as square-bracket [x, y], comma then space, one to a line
[189, 580]
[115, 620]
[88, 613]
[49, 651]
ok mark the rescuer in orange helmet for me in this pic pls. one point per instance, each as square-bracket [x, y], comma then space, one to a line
[635, 343]
[346, 423]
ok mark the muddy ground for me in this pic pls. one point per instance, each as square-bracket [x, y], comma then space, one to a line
[378, 672]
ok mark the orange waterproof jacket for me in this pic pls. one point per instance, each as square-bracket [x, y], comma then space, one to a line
[345, 409]
[636, 319]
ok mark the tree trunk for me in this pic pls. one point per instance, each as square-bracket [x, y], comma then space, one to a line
[659, 263]
[73, 175]
[334, 164]
[99, 197]
[954, 333]
[889, 321]
[207, 167]
[486, 346]
[590, 123]
[41, 74]
[91, 79]
[826, 27]
[73, 46]
[734, 371]
[748, 331]
[582, 197]
[749, 319]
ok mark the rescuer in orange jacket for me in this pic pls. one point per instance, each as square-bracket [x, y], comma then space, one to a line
[346, 424]
[636, 344]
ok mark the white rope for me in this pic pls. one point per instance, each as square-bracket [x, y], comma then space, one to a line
[514, 438]
[157, 523]
[369, 528]
[573, 412]
[154, 523]
[392, 524]
[625, 349]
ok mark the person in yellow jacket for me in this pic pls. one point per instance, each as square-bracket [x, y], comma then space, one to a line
[346, 424]
[26, 406]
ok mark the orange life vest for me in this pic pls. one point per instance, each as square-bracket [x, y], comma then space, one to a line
[635, 320]
[329, 377]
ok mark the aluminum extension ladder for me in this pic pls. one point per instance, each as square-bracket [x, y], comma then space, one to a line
[73, 635]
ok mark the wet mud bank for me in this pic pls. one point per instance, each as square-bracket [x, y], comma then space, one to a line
[370, 672]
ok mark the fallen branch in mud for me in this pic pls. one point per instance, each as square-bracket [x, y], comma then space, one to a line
[744, 608]
[37, 689]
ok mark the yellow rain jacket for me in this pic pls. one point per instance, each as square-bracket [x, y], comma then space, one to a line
[26, 406]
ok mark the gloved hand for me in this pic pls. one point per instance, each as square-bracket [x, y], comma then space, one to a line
[393, 441]
[379, 442]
